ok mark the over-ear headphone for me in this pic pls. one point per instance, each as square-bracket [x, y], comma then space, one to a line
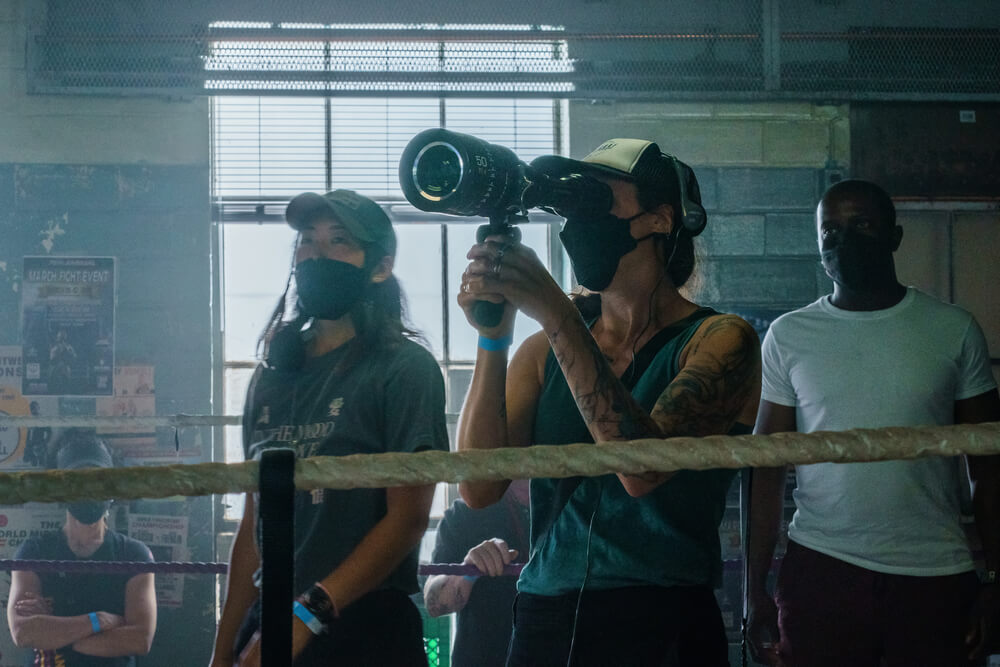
[692, 213]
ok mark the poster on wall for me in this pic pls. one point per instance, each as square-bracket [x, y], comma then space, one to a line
[68, 324]
[22, 447]
[166, 537]
[134, 396]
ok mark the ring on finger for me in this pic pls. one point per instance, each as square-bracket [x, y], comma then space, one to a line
[498, 266]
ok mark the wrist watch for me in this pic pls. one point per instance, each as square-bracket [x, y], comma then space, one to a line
[319, 603]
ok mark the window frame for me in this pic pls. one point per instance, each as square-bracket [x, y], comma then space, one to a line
[269, 210]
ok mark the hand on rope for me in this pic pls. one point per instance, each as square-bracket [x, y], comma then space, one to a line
[490, 557]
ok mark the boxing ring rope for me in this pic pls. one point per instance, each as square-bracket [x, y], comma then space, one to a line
[582, 459]
[278, 472]
[174, 421]
[176, 567]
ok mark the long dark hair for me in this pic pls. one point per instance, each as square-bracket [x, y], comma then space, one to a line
[379, 318]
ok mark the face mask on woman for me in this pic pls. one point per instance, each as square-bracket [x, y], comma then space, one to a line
[596, 246]
[328, 288]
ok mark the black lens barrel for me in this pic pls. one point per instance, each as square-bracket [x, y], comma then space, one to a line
[450, 172]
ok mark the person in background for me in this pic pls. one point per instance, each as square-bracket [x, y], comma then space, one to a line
[342, 376]
[83, 620]
[878, 569]
[621, 566]
[490, 539]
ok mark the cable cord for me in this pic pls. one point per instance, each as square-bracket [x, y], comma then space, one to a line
[746, 568]
[586, 575]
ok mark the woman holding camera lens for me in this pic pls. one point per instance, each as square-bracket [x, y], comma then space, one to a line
[342, 376]
[622, 567]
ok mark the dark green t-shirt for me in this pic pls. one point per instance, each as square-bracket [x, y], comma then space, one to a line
[391, 400]
[668, 537]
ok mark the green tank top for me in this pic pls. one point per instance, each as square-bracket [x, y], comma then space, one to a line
[590, 528]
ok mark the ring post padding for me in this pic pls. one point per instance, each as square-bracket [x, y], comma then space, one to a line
[277, 530]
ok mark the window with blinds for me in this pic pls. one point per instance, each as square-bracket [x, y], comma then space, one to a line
[267, 149]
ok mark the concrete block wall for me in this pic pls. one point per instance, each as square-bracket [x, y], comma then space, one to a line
[127, 178]
[761, 168]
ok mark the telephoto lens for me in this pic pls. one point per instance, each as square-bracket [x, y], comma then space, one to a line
[448, 172]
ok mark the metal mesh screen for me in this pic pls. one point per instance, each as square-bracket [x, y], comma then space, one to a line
[896, 62]
[734, 49]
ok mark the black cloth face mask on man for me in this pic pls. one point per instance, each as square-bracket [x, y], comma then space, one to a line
[857, 261]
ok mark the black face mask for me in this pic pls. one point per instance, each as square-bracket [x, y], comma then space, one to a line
[858, 261]
[89, 512]
[595, 247]
[328, 288]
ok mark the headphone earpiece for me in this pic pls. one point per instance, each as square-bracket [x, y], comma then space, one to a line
[692, 214]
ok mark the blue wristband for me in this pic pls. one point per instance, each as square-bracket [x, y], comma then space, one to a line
[307, 617]
[495, 344]
[95, 623]
[470, 577]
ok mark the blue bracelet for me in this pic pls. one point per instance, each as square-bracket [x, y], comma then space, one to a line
[95, 623]
[470, 577]
[495, 344]
[307, 617]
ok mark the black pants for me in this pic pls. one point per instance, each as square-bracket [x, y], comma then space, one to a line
[382, 629]
[632, 627]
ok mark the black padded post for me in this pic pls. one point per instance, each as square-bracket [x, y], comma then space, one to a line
[277, 527]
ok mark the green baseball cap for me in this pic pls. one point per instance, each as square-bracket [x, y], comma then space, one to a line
[361, 216]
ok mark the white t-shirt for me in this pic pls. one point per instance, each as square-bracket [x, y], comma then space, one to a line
[902, 366]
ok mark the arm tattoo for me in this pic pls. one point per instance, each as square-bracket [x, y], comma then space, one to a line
[701, 400]
[606, 406]
[707, 399]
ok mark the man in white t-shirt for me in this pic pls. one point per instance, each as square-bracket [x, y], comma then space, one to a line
[878, 569]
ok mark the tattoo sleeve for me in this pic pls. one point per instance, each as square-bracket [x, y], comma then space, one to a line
[705, 398]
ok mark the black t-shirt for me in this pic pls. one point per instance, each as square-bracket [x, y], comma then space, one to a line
[77, 594]
[391, 400]
[484, 624]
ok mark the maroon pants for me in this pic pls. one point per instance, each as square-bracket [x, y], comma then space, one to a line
[833, 614]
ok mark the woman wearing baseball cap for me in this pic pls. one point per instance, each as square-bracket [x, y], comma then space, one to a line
[622, 567]
[342, 375]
